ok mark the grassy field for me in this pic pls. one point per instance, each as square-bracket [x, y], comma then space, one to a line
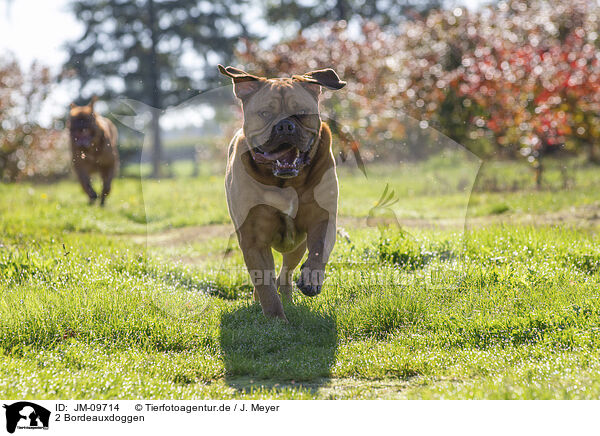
[491, 295]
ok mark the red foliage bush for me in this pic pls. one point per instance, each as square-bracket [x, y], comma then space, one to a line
[521, 77]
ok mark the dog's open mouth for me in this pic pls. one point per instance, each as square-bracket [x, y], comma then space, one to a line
[286, 160]
[82, 141]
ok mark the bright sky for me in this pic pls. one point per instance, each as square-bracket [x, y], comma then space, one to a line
[35, 29]
[38, 29]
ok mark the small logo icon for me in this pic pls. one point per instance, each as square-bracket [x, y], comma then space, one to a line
[26, 415]
[382, 215]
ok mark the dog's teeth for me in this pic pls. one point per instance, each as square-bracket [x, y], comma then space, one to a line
[278, 163]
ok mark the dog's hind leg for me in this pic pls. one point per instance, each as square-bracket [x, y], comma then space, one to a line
[86, 184]
[107, 175]
[290, 262]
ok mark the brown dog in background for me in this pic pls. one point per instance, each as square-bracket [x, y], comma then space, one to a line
[94, 148]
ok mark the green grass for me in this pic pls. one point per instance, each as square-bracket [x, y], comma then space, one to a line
[92, 306]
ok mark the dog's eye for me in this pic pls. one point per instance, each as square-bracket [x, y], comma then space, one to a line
[302, 112]
[265, 114]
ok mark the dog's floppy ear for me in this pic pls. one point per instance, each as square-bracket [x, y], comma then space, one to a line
[92, 101]
[327, 78]
[244, 84]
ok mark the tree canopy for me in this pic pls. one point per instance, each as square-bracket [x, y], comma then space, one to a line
[307, 13]
[516, 79]
[131, 47]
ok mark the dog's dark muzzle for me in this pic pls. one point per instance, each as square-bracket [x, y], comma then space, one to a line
[285, 128]
[81, 140]
[287, 149]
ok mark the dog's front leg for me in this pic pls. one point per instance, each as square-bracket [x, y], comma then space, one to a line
[86, 183]
[107, 174]
[260, 264]
[320, 241]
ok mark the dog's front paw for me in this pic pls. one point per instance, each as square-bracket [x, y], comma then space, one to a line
[308, 289]
[310, 280]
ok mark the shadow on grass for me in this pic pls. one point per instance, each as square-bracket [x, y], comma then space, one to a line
[263, 353]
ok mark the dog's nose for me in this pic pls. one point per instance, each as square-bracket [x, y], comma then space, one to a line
[285, 127]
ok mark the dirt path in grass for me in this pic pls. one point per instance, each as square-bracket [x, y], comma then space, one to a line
[186, 235]
[343, 388]
[334, 388]
[586, 216]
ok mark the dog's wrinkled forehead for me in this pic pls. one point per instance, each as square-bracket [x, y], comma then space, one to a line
[81, 118]
[80, 123]
[283, 96]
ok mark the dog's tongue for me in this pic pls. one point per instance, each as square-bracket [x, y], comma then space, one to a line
[289, 157]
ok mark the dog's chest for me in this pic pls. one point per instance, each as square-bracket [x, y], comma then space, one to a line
[244, 193]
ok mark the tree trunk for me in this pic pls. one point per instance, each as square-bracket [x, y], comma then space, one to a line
[594, 153]
[156, 94]
[156, 143]
[341, 9]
